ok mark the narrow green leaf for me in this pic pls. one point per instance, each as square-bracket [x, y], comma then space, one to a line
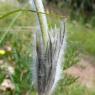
[11, 24]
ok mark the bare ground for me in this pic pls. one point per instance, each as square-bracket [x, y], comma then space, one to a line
[85, 69]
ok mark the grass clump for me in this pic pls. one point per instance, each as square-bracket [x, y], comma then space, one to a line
[82, 37]
[80, 40]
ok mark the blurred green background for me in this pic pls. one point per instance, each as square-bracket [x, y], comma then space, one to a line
[16, 40]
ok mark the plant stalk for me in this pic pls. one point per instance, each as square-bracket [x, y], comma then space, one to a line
[42, 20]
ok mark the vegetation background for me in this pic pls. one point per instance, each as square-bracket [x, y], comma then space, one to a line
[16, 47]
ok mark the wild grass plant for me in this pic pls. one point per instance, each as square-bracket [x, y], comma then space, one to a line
[80, 39]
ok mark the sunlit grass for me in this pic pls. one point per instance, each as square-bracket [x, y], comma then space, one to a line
[83, 37]
[80, 39]
[74, 89]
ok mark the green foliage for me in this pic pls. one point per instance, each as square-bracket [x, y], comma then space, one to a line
[20, 21]
[77, 89]
[21, 50]
[76, 9]
[74, 89]
[21, 56]
[83, 37]
[71, 56]
[80, 39]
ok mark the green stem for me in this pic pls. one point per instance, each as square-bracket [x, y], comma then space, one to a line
[42, 20]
